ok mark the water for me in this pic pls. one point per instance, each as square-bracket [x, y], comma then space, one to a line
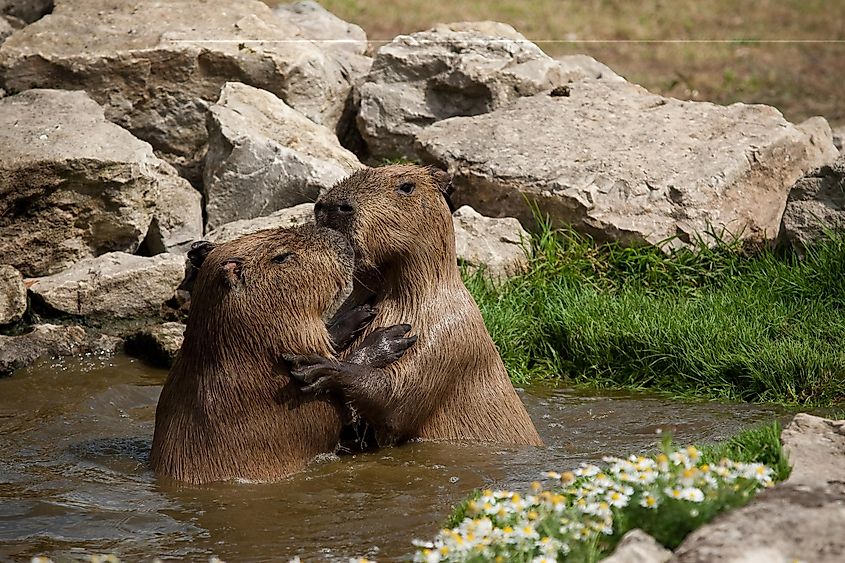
[75, 438]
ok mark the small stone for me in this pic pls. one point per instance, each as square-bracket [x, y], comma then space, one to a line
[157, 344]
[636, 546]
[498, 245]
[12, 295]
[815, 205]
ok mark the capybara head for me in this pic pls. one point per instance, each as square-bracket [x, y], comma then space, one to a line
[268, 291]
[390, 213]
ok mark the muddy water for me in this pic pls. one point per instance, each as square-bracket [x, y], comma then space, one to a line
[75, 437]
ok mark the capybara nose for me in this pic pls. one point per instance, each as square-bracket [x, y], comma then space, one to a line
[333, 214]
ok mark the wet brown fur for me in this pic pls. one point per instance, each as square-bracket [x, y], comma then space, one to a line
[452, 385]
[228, 409]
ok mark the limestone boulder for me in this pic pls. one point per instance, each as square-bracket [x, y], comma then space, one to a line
[12, 295]
[158, 344]
[497, 245]
[74, 185]
[49, 340]
[459, 69]
[264, 156]
[323, 27]
[620, 163]
[156, 66]
[801, 519]
[177, 219]
[281, 219]
[816, 203]
[115, 285]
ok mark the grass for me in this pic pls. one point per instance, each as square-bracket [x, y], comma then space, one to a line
[715, 322]
[744, 65]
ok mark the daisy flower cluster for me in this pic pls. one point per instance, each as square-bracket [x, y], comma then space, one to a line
[570, 513]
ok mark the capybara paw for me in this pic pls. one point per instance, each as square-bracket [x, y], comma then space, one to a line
[345, 327]
[307, 369]
[384, 346]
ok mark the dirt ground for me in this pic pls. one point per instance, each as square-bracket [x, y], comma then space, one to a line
[786, 53]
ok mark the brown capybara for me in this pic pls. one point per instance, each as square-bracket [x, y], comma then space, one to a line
[228, 409]
[452, 385]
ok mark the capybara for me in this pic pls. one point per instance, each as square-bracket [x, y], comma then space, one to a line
[228, 409]
[452, 385]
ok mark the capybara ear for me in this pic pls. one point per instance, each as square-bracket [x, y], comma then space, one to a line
[199, 250]
[443, 180]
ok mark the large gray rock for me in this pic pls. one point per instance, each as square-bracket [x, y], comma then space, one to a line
[282, 219]
[801, 519]
[25, 10]
[816, 203]
[177, 219]
[496, 245]
[51, 341]
[451, 70]
[73, 185]
[114, 285]
[322, 27]
[12, 295]
[155, 66]
[158, 344]
[619, 163]
[264, 156]
[636, 546]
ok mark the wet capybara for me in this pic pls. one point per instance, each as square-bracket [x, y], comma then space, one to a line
[228, 409]
[452, 385]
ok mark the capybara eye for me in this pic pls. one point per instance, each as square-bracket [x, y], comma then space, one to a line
[407, 188]
[282, 258]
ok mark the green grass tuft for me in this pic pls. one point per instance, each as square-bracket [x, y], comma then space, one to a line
[714, 322]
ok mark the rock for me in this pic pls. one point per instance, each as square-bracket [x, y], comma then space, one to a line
[584, 66]
[114, 285]
[619, 163]
[158, 344]
[12, 295]
[785, 524]
[816, 450]
[156, 66]
[497, 245]
[450, 70]
[72, 185]
[6, 29]
[51, 341]
[636, 546]
[264, 156]
[816, 203]
[800, 519]
[26, 10]
[297, 215]
[324, 28]
[177, 220]
[839, 138]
